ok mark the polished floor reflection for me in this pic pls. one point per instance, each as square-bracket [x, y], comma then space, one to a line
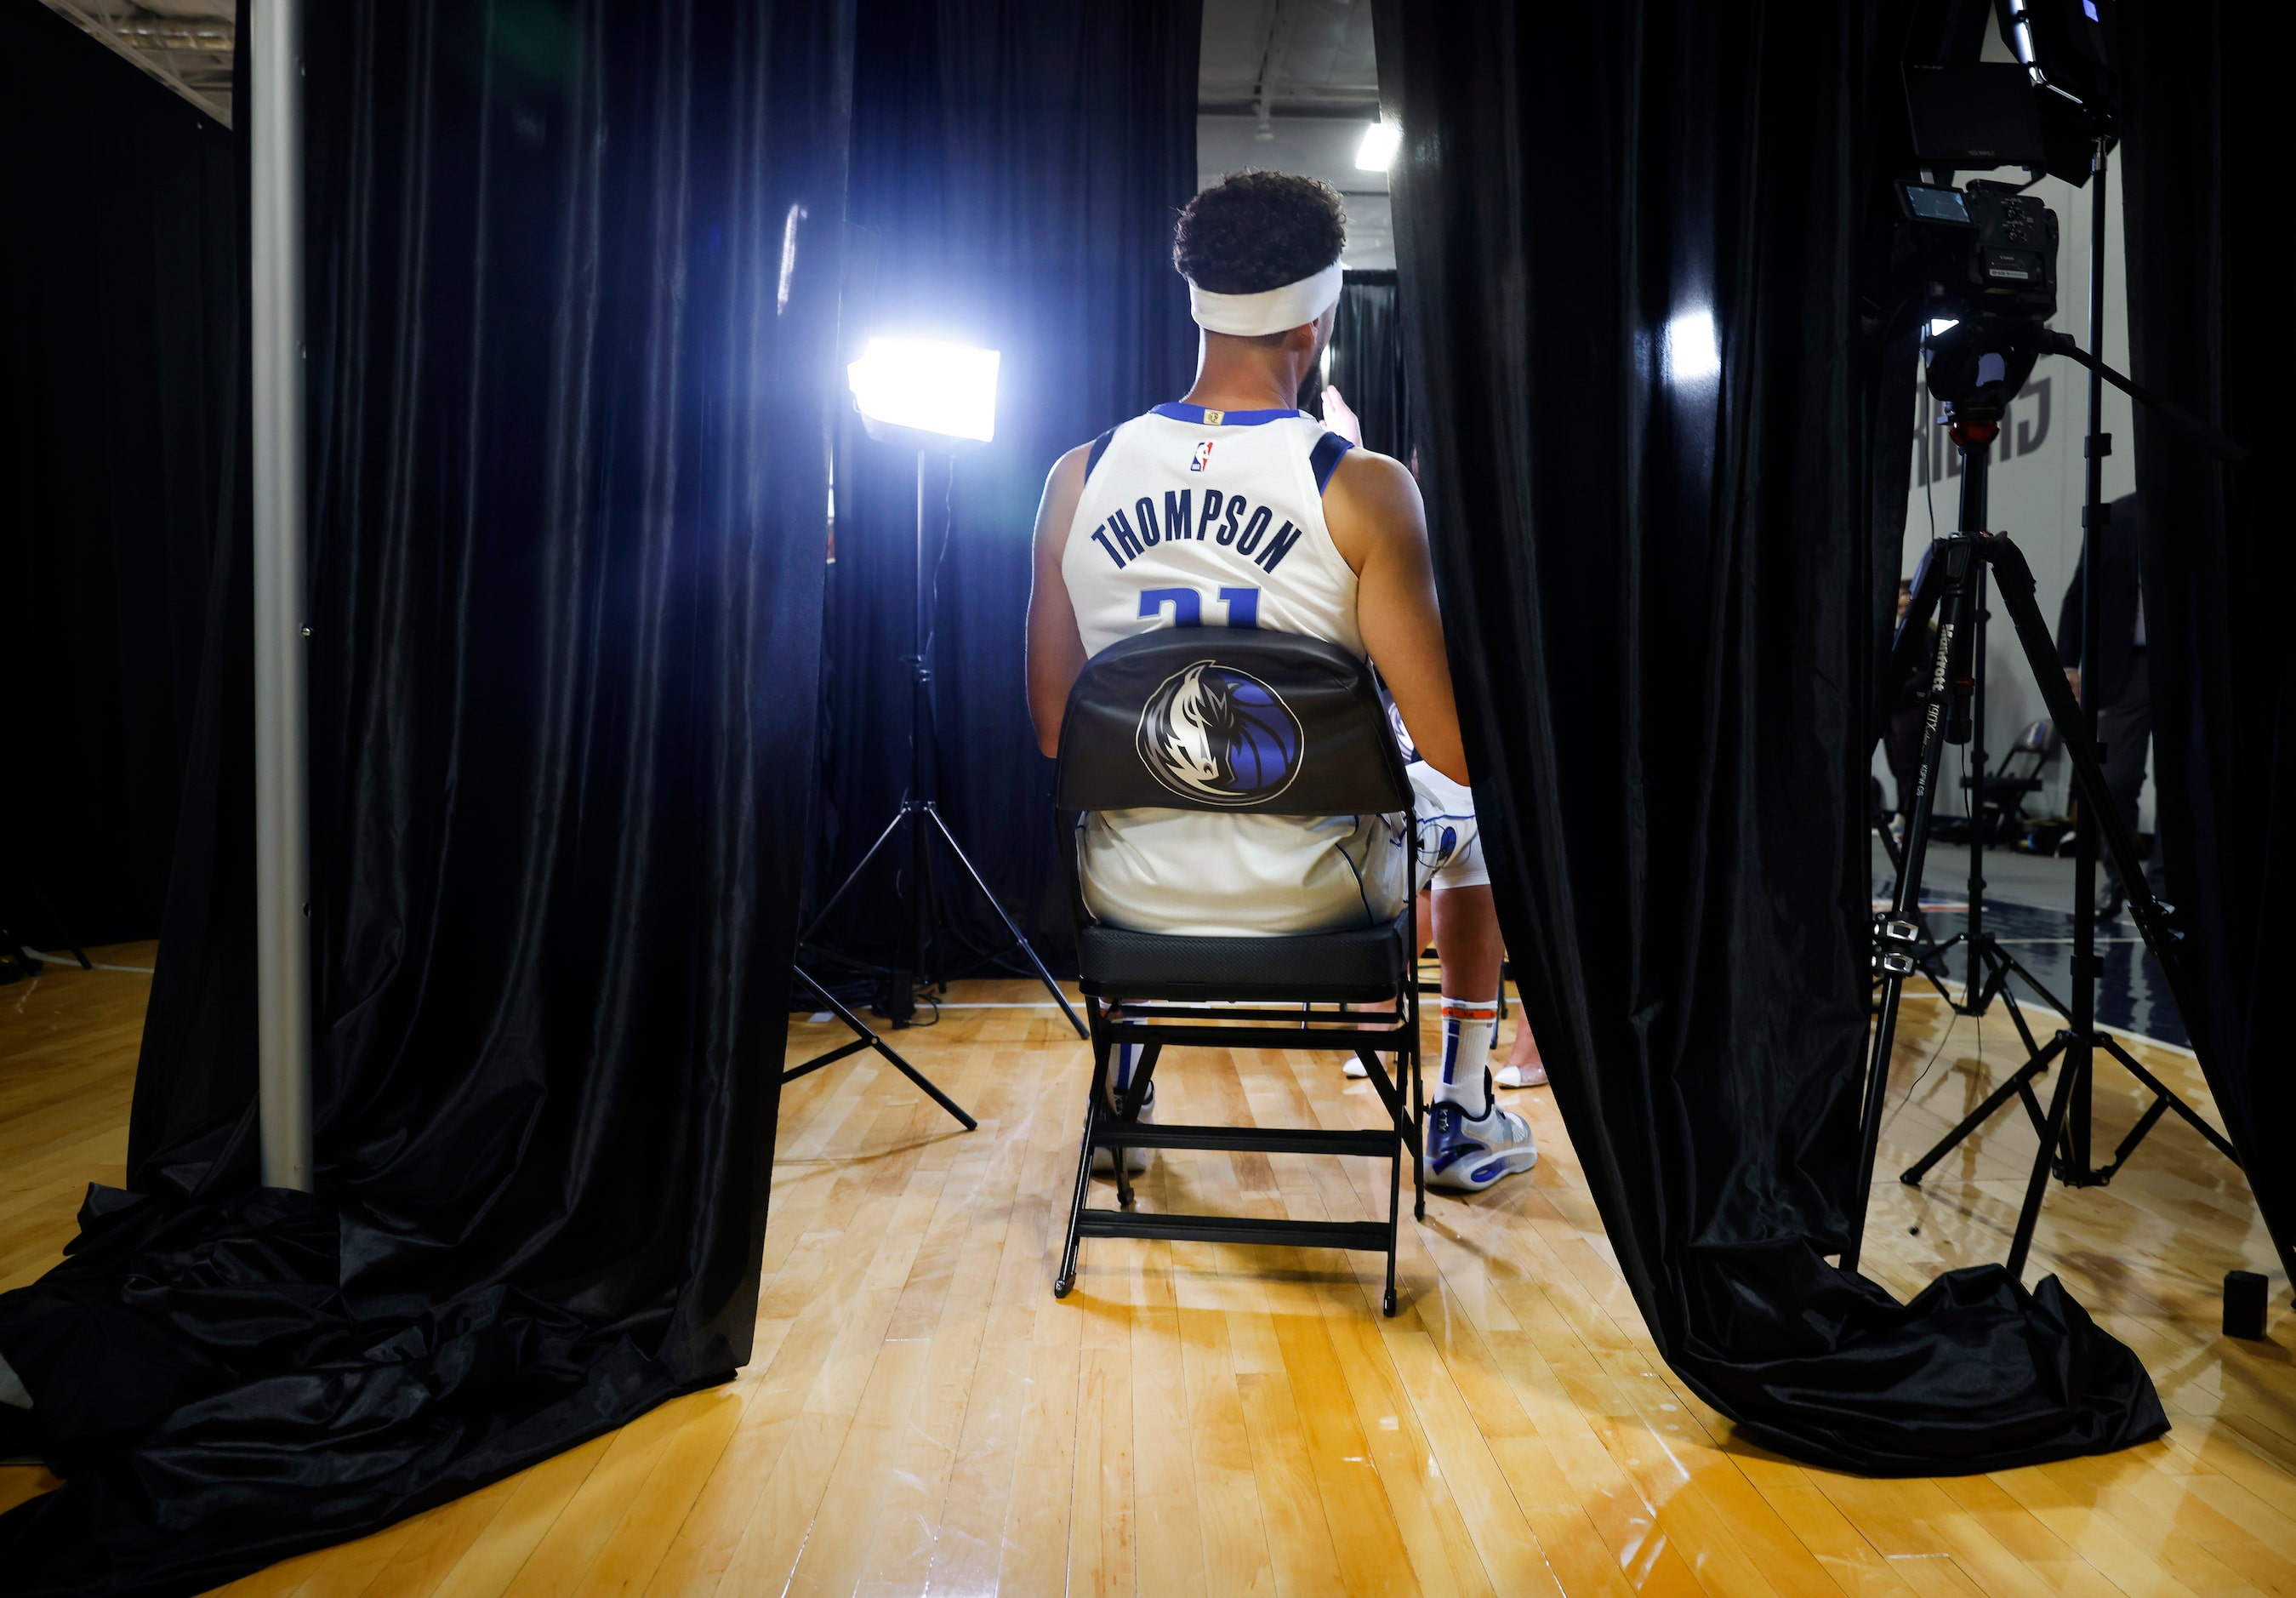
[2028, 908]
[922, 1415]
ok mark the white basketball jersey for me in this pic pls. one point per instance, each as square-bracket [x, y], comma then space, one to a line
[1202, 518]
[1196, 518]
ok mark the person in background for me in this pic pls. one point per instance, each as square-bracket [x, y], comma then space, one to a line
[1457, 909]
[2114, 667]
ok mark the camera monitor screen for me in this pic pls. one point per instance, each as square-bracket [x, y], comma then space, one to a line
[1973, 115]
[1936, 205]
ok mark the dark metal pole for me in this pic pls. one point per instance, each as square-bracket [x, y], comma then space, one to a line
[2081, 1058]
[1974, 509]
[919, 931]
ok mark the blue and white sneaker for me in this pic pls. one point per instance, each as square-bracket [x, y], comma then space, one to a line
[1469, 1154]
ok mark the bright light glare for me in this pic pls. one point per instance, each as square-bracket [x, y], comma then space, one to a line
[1939, 325]
[931, 386]
[1693, 354]
[1378, 147]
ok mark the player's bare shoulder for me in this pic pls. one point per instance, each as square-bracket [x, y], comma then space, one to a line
[1063, 487]
[1371, 497]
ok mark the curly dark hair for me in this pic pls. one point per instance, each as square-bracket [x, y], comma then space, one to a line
[1253, 231]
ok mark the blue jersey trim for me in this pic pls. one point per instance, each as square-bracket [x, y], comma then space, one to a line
[1194, 414]
[1099, 448]
[1324, 459]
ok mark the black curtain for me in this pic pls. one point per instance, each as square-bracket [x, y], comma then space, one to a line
[1366, 364]
[2208, 287]
[1630, 244]
[119, 440]
[1017, 168]
[573, 279]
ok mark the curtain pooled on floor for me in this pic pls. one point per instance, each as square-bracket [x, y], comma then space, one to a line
[1631, 240]
[573, 278]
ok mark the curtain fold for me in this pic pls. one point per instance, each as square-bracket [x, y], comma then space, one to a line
[120, 433]
[1017, 168]
[1630, 247]
[573, 289]
[2207, 279]
[1366, 365]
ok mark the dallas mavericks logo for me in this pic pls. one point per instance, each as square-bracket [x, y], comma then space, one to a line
[1219, 736]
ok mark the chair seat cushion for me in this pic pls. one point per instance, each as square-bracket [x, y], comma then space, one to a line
[1323, 967]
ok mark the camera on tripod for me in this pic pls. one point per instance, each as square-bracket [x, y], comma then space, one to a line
[1987, 255]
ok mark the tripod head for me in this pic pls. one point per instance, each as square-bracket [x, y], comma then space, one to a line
[1977, 366]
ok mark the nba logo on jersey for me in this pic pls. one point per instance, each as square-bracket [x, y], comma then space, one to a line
[1203, 457]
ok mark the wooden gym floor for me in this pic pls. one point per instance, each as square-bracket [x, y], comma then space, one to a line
[922, 1416]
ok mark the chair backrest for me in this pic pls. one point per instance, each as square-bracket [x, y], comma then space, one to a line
[1228, 719]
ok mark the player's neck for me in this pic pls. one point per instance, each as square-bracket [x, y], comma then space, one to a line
[1238, 376]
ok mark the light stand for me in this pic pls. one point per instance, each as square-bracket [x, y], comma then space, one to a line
[929, 398]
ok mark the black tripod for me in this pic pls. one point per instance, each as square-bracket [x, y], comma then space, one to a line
[1951, 582]
[917, 963]
[1987, 361]
[1989, 966]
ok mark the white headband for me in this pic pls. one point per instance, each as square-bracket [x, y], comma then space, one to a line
[1274, 310]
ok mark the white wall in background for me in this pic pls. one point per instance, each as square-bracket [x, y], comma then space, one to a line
[1321, 147]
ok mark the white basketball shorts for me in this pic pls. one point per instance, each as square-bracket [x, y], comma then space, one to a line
[1450, 845]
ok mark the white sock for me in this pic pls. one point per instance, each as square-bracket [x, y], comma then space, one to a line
[1465, 1078]
[1121, 1062]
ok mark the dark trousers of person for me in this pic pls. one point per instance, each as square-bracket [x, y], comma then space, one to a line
[2125, 727]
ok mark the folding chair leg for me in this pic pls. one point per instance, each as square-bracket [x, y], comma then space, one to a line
[1394, 1208]
[1419, 1123]
[1067, 1278]
[1101, 1048]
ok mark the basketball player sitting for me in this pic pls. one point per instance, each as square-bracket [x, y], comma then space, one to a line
[1287, 528]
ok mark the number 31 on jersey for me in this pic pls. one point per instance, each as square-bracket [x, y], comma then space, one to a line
[1241, 604]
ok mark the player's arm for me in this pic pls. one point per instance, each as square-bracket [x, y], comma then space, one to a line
[1371, 507]
[1056, 653]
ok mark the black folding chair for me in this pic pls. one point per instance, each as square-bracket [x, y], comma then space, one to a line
[1239, 723]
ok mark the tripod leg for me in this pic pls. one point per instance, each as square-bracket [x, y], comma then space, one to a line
[2014, 579]
[2168, 1099]
[866, 1038]
[854, 876]
[2016, 1085]
[2034, 983]
[1020, 939]
[1895, 963]
[2060, 1102]
[2145, 1122]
